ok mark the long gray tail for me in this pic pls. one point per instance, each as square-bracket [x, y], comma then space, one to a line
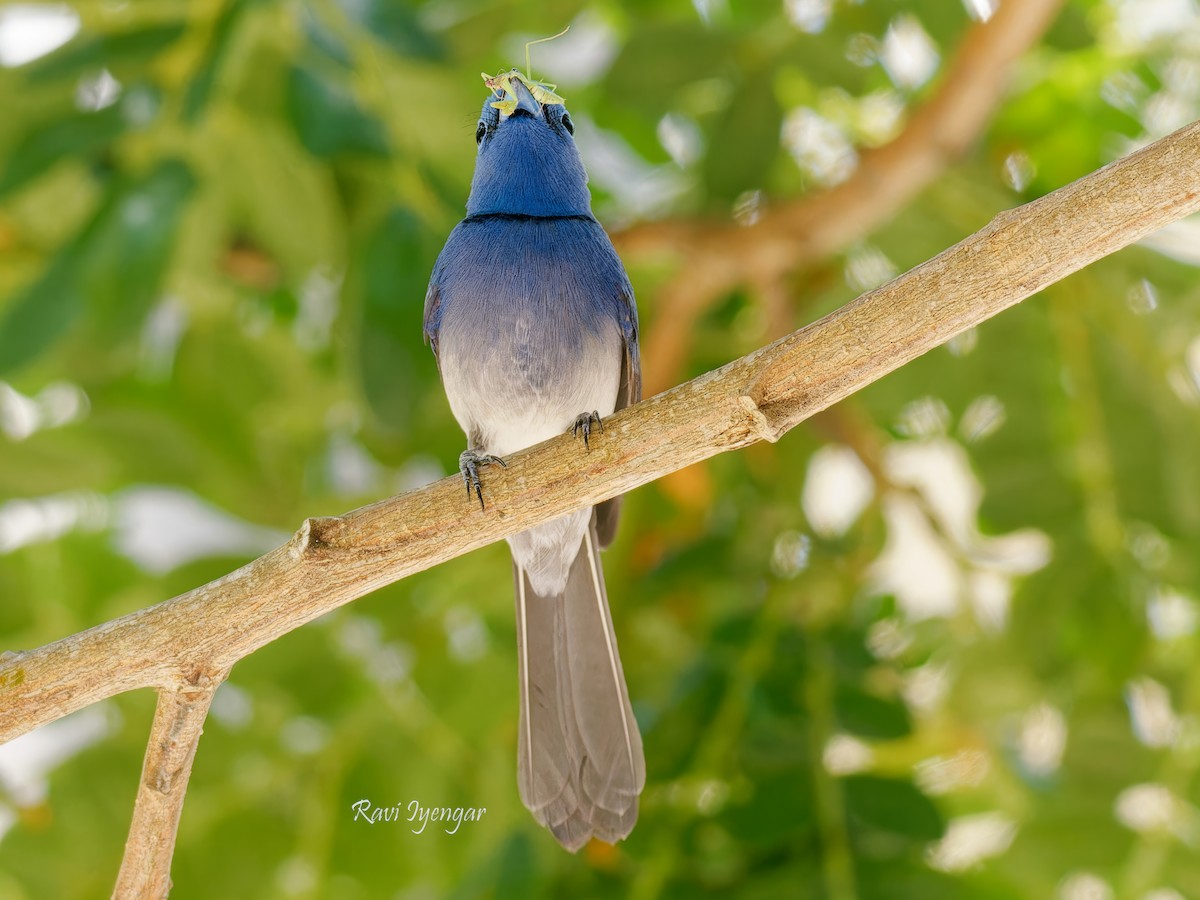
[579, 766]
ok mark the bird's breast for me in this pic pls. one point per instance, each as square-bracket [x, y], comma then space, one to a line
[518, 378]
[528, 334]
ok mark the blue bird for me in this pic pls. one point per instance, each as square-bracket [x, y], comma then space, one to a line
[533, 324]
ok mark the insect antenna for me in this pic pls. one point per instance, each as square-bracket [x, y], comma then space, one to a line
[528, 44]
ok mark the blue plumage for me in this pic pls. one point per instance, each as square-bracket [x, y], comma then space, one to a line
[525, 302]
[532, 320]
[530, 167]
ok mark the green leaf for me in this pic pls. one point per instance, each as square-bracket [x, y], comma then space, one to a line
[201, 85]
[113, 51]
[75, 135]
[869, 716]
[394, 24]
[658, 61]
[394, 273]
[744, 140]
[905, 877]
[128, 257]
[325, 41]
[892, 805]
[115, 264]
[763, 821]
[41, 313]
[329, 120]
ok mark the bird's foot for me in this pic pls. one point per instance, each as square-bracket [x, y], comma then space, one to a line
[583, 423]
[468, 463]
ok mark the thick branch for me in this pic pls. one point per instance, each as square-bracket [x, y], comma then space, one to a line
[178, 723]
[332, 561]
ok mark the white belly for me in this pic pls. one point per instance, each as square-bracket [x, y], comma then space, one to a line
[506, 401]
[505, 405]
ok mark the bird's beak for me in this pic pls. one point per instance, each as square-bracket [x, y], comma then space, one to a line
[525, 100]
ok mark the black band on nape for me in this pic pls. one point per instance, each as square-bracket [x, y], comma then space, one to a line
[523, 217]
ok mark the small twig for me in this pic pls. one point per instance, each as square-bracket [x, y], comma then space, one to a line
[178, 724]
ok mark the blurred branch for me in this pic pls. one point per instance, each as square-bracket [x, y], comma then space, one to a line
[184, 646]
[720, 256]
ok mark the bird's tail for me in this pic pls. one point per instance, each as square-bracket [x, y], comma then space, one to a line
[579, 767]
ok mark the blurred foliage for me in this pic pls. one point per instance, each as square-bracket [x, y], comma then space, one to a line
[217, 221]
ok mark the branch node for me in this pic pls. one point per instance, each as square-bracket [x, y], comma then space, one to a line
[199, 680]
[315, 538]
[760, 426]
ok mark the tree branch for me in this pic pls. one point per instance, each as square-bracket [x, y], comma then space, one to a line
[178, 724]
[184, 646]
[722, 255]
[331, 561]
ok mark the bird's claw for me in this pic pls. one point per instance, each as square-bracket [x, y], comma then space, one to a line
[583, 422]
[468, 463]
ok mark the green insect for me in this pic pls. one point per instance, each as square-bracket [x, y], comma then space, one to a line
[501, 85]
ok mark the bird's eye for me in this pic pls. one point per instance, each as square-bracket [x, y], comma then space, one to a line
[480, 131]
[568, 124]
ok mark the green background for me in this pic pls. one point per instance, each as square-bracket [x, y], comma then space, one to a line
[211, 281]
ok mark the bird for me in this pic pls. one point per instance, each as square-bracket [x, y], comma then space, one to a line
[533, 324]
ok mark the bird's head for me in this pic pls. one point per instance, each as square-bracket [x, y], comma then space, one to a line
[527, 163]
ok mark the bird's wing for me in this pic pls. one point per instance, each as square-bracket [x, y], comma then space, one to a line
[433, 317]
[628, 393]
